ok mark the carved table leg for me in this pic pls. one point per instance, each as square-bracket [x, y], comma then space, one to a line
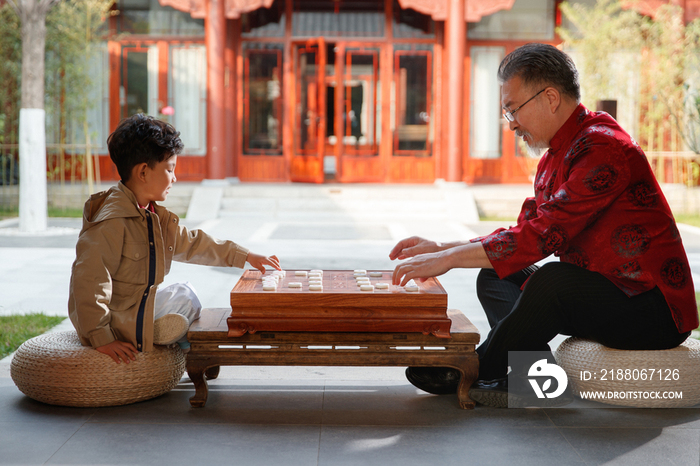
[212, 372]
[196, 373]
[470, 370]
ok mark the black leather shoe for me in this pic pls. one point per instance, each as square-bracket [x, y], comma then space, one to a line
[492, 393]
[435, 380]
[495, 393]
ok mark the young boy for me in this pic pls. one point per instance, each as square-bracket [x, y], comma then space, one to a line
[127, 244]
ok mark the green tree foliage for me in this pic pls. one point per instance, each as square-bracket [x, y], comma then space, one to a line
[10, 69]
[10, 72]
[669, 46]
[73, 40]
[74, 30]
[667, 59]
[597, 33]
[74, 33]
[675, 78]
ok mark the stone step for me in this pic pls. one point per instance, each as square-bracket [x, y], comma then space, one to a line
[331, 205]
[294, 200]
[353, 191]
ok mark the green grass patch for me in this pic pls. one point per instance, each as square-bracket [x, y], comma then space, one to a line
[13, 212]
[8, 212]
[16, 329]
[693, 220]
[65, 212]
[487, 218]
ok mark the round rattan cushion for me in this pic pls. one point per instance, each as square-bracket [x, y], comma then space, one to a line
[575, 355]
[55, 368]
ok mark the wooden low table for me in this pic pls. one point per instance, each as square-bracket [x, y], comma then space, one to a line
[212, 348]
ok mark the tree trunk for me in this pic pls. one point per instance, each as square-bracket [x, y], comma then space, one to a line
[33, 15]
[32, 121]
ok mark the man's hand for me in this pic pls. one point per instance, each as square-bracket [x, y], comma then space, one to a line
[259, 262]
[422, 266]
[119, 351]
[413, 246]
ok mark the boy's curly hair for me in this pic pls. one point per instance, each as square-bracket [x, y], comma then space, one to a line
[142, 139]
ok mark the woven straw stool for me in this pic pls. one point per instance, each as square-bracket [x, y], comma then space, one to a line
[55, 368]
[576, 354]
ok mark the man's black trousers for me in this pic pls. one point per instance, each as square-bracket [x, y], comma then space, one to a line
[561, 298]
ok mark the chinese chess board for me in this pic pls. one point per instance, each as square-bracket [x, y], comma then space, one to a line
[297, 303]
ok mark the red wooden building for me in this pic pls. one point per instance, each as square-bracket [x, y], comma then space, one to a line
[385, 91]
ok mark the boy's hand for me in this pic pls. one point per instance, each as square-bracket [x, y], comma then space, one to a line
[259, 262]
[119, 351]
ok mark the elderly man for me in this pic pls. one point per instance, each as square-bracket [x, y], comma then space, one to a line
[623, 277]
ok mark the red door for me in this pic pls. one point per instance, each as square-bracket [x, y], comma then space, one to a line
[357, 122]
[262, 156]
[309, 114]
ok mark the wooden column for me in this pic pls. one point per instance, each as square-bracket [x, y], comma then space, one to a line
[288, 93]
[386, 149]
[115, 109]
[215, 39]
[233, 126]
[455, 29]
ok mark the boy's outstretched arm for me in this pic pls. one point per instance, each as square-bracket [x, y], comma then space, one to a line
[119, 351]
[259, 262]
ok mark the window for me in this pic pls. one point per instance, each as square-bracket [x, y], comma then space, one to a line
[148, 17]
[97, 111]
[150, 82]
[485, 119]
[347, 18]
[308, 78]
[527, 20]
[412, 102]
[262, 101]
[187, 95]
[361, 112]
[138, 91]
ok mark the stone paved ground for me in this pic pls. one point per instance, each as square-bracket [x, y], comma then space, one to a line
[313, 415]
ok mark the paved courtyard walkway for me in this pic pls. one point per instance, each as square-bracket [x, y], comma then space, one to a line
[312, 415]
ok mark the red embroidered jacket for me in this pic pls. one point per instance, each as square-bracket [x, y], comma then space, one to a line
[597, 205]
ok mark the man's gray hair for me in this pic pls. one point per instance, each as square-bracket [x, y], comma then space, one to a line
[541, 65]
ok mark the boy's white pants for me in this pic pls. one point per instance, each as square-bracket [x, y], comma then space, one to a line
[179, 298]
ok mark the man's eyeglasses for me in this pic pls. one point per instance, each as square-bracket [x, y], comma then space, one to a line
[509, 115]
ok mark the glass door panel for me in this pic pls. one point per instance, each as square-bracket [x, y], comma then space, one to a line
[412, 83]
[486, 114]
[310, 98]
[360, 85]
[138, 91]
[262, 133]
[309, 59]
[187, 95]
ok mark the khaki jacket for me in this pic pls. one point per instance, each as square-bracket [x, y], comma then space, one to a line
[117, 268]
